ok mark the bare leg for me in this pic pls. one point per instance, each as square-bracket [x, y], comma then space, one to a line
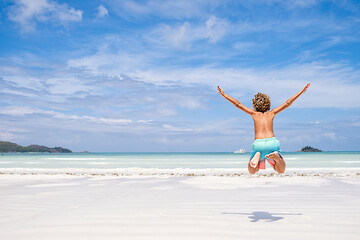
[253, 165]
[279, 162]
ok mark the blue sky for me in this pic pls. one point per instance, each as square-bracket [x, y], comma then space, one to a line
[140, 76]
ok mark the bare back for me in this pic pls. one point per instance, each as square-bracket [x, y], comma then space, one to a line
[263, 124]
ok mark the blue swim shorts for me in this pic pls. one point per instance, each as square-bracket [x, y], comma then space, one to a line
[265, 146]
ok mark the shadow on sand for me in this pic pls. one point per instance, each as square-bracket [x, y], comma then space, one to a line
[266, 216]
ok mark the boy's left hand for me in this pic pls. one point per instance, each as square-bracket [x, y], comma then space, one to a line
[220, 91]
[306, 87]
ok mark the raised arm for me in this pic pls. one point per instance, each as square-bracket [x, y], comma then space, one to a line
[235, 102]
[290, 101]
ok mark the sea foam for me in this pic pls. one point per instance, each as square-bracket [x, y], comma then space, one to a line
[223, 172]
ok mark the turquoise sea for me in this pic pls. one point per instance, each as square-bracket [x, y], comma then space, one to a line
[294, 160]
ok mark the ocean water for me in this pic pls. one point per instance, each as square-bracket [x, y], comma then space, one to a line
[294, 160]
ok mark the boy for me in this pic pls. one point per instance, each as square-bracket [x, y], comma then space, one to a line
[265, 146]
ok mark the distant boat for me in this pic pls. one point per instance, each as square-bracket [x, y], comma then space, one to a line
[240, 151]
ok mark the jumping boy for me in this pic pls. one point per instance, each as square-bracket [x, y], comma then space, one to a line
[265, 146]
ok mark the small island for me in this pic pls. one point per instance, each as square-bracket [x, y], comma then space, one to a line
[9, 147]
[309, 149]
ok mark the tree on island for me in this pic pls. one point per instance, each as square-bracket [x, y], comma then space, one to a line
[13, 147]
[309, 149]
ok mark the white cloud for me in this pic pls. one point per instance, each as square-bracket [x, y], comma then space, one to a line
[216, 28]
[176, 129]
[102, 11]
[188, 101]
[355, 124]
[179, 37]
[6, 135]
[16, 92]
[145, 121]
[182, 36]
[288, 4]
[67, 85]
[26, 81]
[28, 12]
[249, 48]
[333, 85]
[165, 112]
[105, 59]
[174, 9]
[301, 3]
[19, 111]
[330, 135]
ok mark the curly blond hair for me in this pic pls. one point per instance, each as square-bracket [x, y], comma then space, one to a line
[261, 102]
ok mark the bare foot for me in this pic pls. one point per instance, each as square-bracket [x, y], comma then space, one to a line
[255, 160]
[274, 156]
[279, 165]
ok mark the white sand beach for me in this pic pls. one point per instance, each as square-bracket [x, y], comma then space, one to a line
[179, 207]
